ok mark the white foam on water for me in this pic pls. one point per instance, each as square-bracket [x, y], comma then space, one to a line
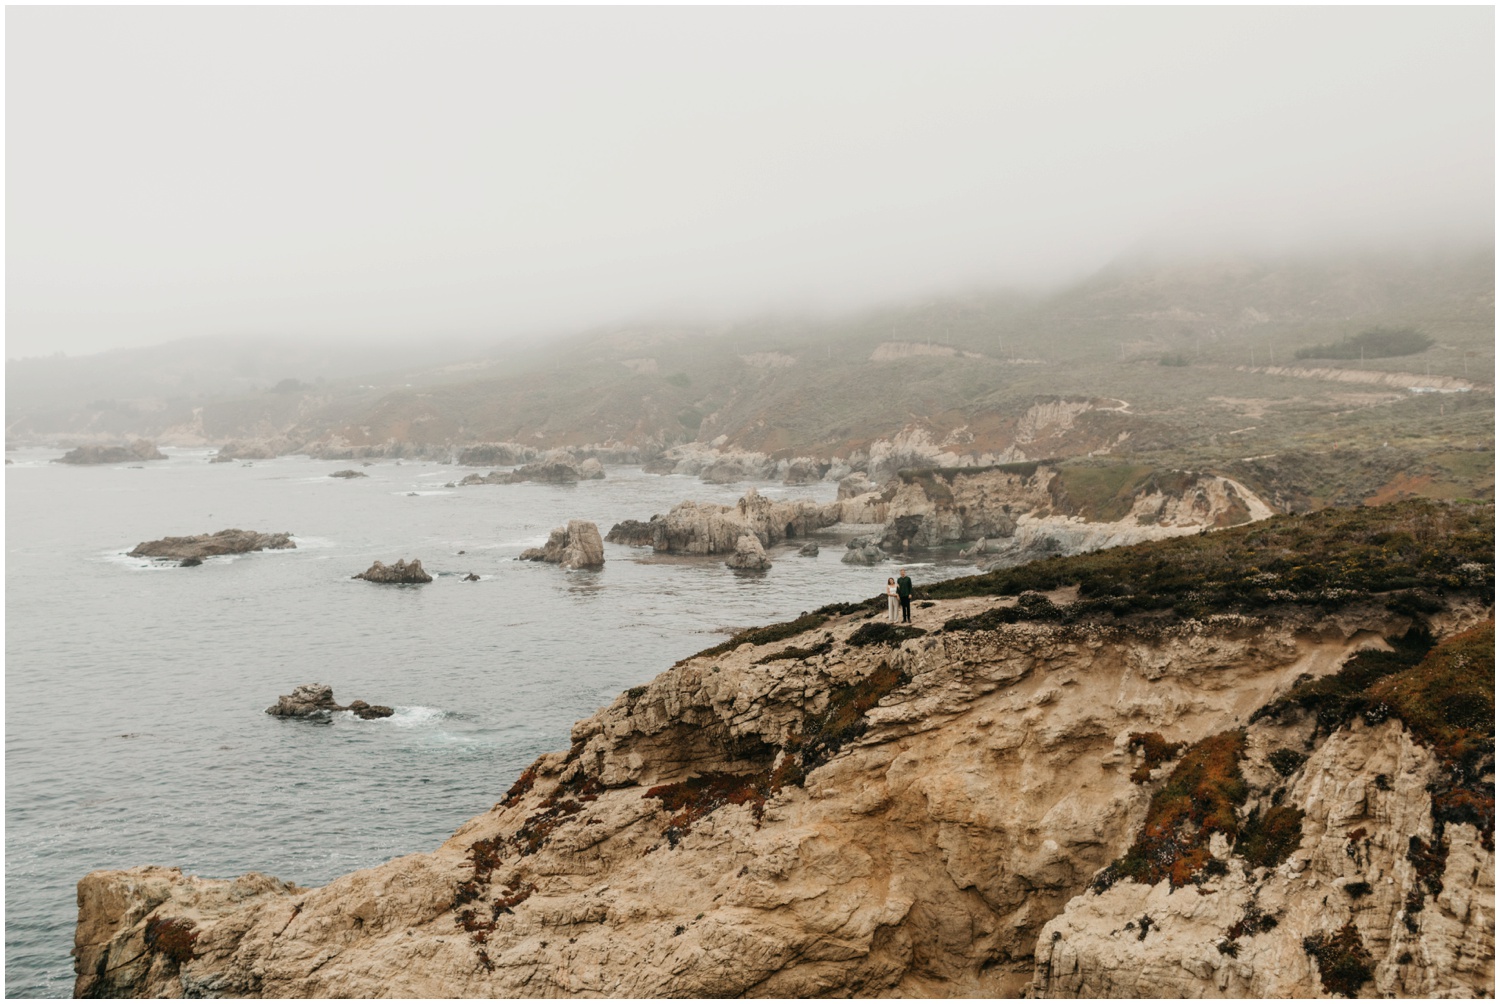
[125, 560]
[410, 718]
[305, 544]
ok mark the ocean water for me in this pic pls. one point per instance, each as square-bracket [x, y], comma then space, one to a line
[134, 724]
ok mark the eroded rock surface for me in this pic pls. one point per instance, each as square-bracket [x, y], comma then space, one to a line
[748, 555]
[206, 545]
[403, 572]
[1031, 510]
[576, 545]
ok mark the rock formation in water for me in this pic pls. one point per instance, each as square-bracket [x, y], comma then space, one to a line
[141, 449]
[576, 545]
[1252, 762]
[315, 701]
[557, 470]
[748, 555]
[708, 528]
[862, 551]
[206, 545]
[495, 455]
[403, 572]
[808, 550]
[632, 533]
[251, 450]
[351, 473]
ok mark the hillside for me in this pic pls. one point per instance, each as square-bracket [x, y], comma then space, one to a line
[1251, 763]
[1181, 366]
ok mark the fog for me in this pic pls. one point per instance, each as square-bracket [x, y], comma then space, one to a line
[494, 172]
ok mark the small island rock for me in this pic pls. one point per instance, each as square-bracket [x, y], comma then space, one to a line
[576, 545]
[206, 545]
[141, 449]
[315, 701]
[348, 474]
[401, 573]
[808, 550]
[863, 551]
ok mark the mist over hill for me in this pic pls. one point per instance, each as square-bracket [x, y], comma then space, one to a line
[1182, 362]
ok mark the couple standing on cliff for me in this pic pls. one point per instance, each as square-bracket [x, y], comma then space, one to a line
[899, 589]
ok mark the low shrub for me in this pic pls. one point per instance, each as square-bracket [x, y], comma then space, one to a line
[1157, 750]
[883, 633]
[1377, 343]
[1344, 964]
[1267, 841]
[1286, 762]
[1198, 800]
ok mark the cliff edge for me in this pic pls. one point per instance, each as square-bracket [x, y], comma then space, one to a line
[985, 803]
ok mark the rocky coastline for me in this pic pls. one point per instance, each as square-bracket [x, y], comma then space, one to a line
[985, 803]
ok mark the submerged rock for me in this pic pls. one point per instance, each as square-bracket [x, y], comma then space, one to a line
[576, 545]
[315, 701]
[748, 555]
[402, 572]
[189, 562]
[808, 550]
[348, 474]
[141, 449]
[471, 577]
[206, 545]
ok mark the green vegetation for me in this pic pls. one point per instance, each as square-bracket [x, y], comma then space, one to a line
[1344, 964]
[1266, 841]
[1286, 762]
[1100, 494]
[793, 652]
[1198, 800]
[1377, 343]
[1448, 704]
[1326, 560]
[1157, 752]
[766, 635]
[883, 633]
[1336, 699]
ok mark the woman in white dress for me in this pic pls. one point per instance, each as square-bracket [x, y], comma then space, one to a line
[890, 599]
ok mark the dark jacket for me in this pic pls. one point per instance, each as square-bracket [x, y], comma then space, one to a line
[903, 587]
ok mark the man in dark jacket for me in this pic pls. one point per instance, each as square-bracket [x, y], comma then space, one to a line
[903, 593]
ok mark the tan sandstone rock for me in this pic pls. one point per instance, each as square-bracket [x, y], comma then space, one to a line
[958, 791]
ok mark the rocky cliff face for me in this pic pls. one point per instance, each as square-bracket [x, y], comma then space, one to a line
[840, 806]
[1034, 509]
[708, 528]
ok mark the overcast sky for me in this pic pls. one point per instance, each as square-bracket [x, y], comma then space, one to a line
[425, 172]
